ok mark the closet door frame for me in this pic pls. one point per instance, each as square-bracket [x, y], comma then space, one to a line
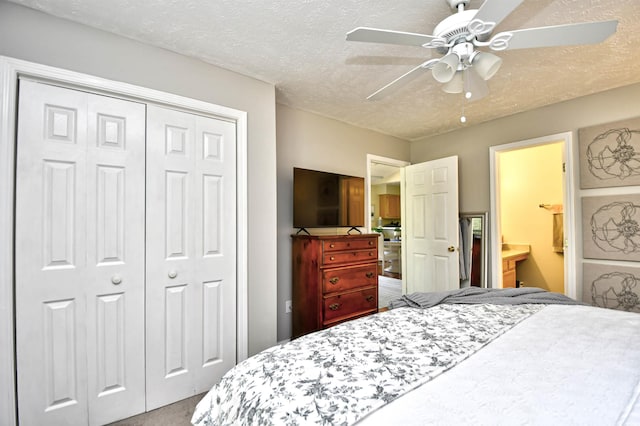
[11, 70]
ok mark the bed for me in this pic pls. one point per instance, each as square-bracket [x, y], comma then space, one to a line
[478, 356]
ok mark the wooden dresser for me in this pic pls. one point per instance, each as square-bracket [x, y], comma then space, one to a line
[334, 279]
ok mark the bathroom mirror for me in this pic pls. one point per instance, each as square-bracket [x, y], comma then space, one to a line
[473, 249]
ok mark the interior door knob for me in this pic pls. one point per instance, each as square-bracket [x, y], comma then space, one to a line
[116, 279]
[451, 249]
[172, 274]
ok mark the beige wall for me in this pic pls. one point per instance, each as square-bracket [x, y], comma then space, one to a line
[530, 177]
[313, 142]
[34, 36]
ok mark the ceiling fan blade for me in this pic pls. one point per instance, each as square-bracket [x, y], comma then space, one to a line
[559, 35]
[374, 35]
[402, 80]
[490, 14]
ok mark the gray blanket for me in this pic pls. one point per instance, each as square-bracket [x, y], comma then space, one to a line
[475, 295]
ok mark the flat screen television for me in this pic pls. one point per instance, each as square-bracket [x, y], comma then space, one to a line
[324, 199]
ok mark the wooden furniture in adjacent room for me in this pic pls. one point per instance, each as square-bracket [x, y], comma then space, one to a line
[512, 253]
[389, 206]
[334, 279]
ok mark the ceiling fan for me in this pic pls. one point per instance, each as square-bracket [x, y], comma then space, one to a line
[463, 68]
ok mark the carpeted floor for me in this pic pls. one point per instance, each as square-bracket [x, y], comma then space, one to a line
[176, 414]
[388, 289]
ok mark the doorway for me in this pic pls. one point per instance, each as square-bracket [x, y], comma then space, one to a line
[532, 214]
[384, 203]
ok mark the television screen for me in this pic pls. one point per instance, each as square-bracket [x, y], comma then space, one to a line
[324, 199]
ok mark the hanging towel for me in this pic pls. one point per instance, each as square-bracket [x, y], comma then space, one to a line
[558, 232]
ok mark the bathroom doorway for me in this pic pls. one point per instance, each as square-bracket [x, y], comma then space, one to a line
[532, 217]
[384, 202]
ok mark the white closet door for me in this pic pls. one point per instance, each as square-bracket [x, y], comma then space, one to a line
[191, 260]
[115, 256]
[79, 257]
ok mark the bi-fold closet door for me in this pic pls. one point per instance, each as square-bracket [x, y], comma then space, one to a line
[125, 273]
[191, 246]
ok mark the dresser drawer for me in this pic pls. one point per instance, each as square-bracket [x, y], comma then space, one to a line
[353, 256]
[352, 244]
[341, 279]
[344, 306]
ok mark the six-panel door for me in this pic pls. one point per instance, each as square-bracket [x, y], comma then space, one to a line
[79, 256]
[191, 245]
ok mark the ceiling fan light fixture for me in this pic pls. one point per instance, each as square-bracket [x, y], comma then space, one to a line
[486, 64]
[474, 87]
[446, 68]
[454, 85]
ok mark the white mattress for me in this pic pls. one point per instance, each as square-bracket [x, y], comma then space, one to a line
[568, 365]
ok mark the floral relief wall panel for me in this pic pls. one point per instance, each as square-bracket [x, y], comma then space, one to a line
[610, 154]
[611, 227]
[611, 286]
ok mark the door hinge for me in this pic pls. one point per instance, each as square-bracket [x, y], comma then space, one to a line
[564, 167]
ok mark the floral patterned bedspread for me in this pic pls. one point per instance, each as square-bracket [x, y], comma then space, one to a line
[341, 374]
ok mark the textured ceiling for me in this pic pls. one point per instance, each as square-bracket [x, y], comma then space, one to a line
[300, 47]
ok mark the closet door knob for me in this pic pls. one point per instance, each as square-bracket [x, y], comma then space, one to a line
[451, 249]
[172, 274]
[116, 279]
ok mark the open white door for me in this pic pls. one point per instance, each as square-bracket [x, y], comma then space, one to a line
[430, 226]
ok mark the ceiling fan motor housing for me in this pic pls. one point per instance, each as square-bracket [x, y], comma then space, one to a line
[454, 28]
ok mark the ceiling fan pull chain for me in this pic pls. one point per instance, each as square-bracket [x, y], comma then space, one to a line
[463, 118]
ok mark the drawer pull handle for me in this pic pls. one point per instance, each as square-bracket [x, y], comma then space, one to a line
[370, 298]
[331, 245]
[332, 258]
[369, 274]
[334, 280]
[334, 306]
[370, 243]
